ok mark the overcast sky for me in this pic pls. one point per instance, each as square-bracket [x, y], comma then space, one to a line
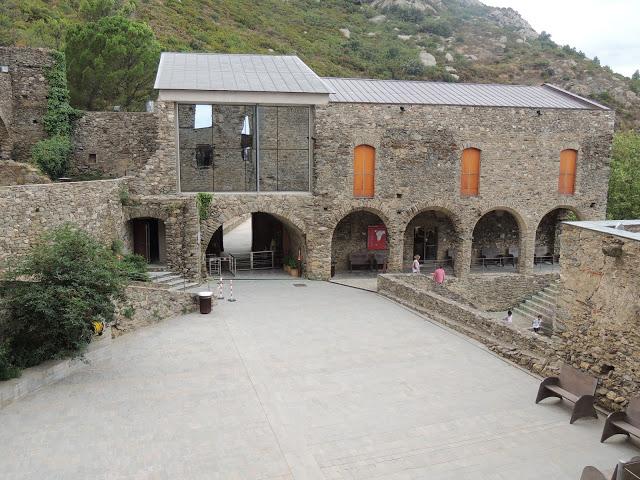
[607, 29]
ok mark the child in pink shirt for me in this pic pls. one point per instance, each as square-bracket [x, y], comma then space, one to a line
[438, 276]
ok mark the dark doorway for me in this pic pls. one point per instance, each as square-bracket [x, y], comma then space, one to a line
[146, 238]
[425, 243]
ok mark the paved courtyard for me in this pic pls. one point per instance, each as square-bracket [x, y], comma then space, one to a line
[316, 382]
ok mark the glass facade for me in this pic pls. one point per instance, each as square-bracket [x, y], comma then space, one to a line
[226, 148]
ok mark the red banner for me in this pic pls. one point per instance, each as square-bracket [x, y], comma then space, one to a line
[376, 237]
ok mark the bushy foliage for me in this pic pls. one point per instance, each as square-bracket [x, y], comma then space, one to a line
[624, 181]
[111, 61]
[437, 26]
[203, 200]
[134, 267]
[58, 120]
[51, 155]
[67, 281]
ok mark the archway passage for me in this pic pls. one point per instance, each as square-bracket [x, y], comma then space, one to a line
[547, 248]
[432, 235]
[148, 239]
[257, 242]
[359, 243]
[496, 243]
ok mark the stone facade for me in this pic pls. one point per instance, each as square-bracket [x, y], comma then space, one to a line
[599, 307]
[114, 143]
[145, 305]
[30, 210]
[417, 170]
[23, 100]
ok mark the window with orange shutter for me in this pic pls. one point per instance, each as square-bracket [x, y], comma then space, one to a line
[567, 178]
[470, 172]
[364, 168]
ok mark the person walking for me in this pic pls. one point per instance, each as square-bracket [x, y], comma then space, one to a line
[415, 266]
[439, 275]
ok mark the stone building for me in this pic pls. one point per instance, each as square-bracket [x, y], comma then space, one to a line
[23, 100]
[474, 177]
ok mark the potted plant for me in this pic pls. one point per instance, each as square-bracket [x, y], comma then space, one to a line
[293, 267]
[285, 264]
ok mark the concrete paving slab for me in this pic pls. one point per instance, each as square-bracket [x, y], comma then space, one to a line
[315, 382]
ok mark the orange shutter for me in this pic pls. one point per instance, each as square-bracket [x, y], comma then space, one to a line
[567, 178]
[364, 167]
[470, 172]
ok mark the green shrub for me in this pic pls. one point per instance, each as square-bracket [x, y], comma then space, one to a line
[134, 267]
[7, 369]
[52, 156]
[73, 280]
[437, 26]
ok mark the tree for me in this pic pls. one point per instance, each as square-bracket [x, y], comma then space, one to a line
[624, 181]
[111, 62]
[94, 10]
[636, 75]
[72, 281]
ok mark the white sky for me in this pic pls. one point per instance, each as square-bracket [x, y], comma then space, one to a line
[607, 29]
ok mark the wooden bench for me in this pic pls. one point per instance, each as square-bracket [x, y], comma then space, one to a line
[625, 423]
[575, 386]
[363, 259]
[630, 471]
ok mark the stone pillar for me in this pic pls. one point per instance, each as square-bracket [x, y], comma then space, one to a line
[395, 241]
[527, 250]
[318, 261]
[462, 260]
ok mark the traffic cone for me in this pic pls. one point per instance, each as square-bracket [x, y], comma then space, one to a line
[231, 299]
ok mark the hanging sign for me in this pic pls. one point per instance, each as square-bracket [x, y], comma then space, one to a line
[376, 237]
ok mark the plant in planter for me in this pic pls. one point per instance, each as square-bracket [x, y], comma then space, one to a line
[293, 267]
[285, 264]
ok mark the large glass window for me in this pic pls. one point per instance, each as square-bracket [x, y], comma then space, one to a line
[225, 148]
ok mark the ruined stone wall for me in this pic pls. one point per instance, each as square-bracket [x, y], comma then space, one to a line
[146, 304]
[30, 210]
[418, 155]
[114, 144]
[23, 100]
[16, 173]
[599, 308]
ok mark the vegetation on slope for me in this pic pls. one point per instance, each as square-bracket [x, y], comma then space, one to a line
[379, 39]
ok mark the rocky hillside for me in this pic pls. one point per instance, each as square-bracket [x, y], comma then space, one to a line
[449, 40]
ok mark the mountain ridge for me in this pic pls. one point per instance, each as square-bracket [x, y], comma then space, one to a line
[447, 40]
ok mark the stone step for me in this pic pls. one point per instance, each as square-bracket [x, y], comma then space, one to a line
[547, 296]
[552, 289]
[176, 282]
[528, 318]
[535, 311]
[543, 301]
[186, 286]
[541, 305]
[157, 268]
[167, 279]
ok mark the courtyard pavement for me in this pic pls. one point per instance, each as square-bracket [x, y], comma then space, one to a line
[315, 382]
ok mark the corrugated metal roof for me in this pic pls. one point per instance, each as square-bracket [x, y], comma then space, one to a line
[239, 73]
[358, 90]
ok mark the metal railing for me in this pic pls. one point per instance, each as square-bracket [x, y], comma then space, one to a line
[261, 260]
[500, 261]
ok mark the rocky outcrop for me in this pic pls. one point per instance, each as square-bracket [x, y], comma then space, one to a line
[17, 173]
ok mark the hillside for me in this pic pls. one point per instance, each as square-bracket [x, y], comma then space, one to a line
[450, 40]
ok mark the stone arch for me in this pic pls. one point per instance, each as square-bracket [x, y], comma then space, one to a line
[344, 242]
[341, 213]
[442, 231]
[547, 233]
[489, 242]
[209, 226]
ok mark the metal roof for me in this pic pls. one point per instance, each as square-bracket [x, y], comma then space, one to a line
[358, 90]
[236, 73]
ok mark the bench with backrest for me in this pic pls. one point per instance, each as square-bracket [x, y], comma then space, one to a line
[360, 259]
[630, 471]
[575, 386]
[625, 423]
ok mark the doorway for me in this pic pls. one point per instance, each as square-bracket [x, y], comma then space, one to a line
[148, 239]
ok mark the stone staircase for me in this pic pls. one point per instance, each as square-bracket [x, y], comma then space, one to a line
[541, 303]
[167, 278]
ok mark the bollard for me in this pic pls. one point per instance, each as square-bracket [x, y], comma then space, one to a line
[231, 299]
[220, 290]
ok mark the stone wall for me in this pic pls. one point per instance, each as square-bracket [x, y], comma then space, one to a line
[146, 304]
[30, 210]
[23, 100]
[599, 308]
[17, 173]
[487, 292]
[417, 169]
[115, 144]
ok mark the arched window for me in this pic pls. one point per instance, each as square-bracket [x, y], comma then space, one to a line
[470, 172]
[567, 178]
[364, 168]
